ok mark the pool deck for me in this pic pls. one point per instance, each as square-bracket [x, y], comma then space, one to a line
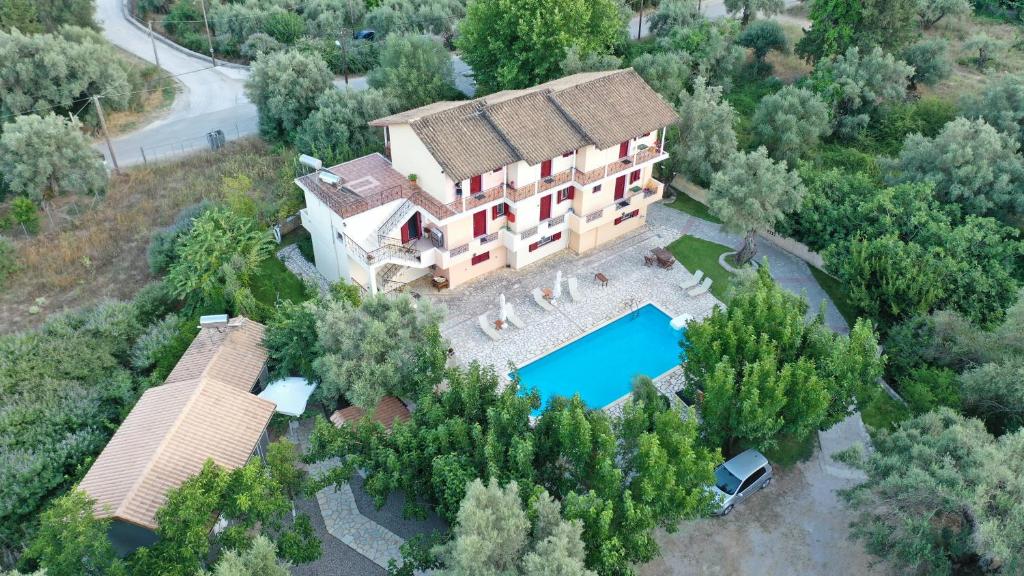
[631, 284]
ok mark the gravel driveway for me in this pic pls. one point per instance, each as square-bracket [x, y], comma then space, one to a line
[796, 526]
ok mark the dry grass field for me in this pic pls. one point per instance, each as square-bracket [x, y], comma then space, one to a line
[94, 248]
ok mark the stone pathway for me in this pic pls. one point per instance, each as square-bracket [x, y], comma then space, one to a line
[789, 271]
[344, 521]
[304, 269]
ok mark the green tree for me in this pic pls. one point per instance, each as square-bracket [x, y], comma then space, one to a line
[291, 339]
[706, 136]
[834, 27]
[338, 129]
[994, 392]
[938, 489]
[285, 87]
[929, 12]
[887, 24]
[985, 48]
[749, 9]
[54, 14]
[26, 213]
[790, 123]
[283, 457]
[415, 70]
[574, 62]
[984, 178]
[1001, 105]
[762, 37]
[385, 346]
[494, 536]
[930, 60]
[668, 73]
[219, 248]
[710, 46]
[61, 71]
[673, 14]
[44, 157]
[515, 44]
[766, 372]
[751, 193]
[854, 83]
[20, 15]
[259, 560]
[71, 542]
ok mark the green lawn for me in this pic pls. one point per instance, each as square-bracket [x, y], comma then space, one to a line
[684, 203]
[697, 254]
[835, 290]
[881, 411]
[273, 280]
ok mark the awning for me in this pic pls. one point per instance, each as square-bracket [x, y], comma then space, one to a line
[290, 395]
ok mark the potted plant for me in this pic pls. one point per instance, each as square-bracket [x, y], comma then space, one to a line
[413, 177]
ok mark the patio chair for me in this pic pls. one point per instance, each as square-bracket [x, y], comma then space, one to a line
[514, 318]
[704, 287]
[538, 297]
[648, 260]
[488, 328]
[691, 282]
[574, 288]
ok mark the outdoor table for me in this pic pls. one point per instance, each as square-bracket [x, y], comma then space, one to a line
[665, 258]
[601, 279]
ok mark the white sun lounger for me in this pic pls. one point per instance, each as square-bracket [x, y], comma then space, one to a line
[574, 288]
[488, 328]
[510, 313]
[697, 277]
[538, 297]
[704, 287]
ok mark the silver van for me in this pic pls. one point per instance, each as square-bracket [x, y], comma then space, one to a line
[738, 478]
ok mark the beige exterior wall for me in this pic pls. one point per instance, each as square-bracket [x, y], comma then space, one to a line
[464, 270]
[410, 156]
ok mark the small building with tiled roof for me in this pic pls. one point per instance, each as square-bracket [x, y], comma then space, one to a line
[205, 410]
[501, 180]
[388, 411]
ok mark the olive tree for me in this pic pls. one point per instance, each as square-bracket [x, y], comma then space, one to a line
[751, 193]
[789, 123]
[749, 8]
[668, 73]
[1001, 105]
[338, 128]
[763, 36]
[985, 48]
[706, 135]
[854, 83]
[931, 11]
[994, 392]
[285, 87]
[970, 163]
[46, 156]
[931, 61]
[574, 62]
[673, 14]
[414, 70]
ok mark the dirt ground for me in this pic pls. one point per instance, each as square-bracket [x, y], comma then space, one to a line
[796, 526]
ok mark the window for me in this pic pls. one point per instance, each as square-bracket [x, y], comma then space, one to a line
[597, 188]
[753, 478]
[545, 241]
[478, 258]
[498, 210]
[563, 194]
[634, 176]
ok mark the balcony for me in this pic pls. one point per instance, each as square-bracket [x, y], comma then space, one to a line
[584, 178]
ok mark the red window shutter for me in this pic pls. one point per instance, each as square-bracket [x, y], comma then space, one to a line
[494, 212]
[478, 258]
[545, 207]
[405, 233]
[557, 236]
[545, 169]
[480, 224]
[624, 149]
[476, 184]
[620, 187]
[511, 215]
[533, 246]
[634, 176]
[572, 192]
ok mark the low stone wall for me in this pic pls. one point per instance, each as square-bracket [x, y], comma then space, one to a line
[304, 269]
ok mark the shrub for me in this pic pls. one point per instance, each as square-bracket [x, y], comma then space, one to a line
[299, 544]
[931, 61]
[285, 27]
[154, 341]
[8, 261]
[25, 212]
[163, 246]
[927, 388]
[259, 43]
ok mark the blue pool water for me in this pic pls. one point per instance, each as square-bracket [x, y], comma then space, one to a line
[600, 366]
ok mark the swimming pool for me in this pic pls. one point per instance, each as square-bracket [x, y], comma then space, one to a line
[600, 366]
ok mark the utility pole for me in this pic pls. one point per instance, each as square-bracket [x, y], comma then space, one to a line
[209, 38]
[343, 44]
[640, 21]
[153, 42]
[103, 126]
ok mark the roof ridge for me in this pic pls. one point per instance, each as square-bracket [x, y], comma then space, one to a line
[153, 457]
[568, 117]
[486, 112]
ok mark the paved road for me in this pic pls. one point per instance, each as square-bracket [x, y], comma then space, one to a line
[712, 9]
[214, 98]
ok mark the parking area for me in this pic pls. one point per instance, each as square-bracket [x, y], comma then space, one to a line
[796, 526]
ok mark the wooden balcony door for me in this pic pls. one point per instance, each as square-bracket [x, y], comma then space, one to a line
[624, 149]
[620, 187]
[545, 207]
[476, 184]
[545, 169]
[480, 224]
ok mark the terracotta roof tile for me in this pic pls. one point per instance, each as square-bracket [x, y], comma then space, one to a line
[174, 428]
[388, 410]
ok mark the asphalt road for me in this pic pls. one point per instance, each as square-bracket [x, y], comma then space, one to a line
[213, 98]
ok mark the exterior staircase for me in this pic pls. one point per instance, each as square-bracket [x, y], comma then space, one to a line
[397, 218]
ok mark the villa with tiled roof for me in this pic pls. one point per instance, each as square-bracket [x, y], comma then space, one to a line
[503, 180]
